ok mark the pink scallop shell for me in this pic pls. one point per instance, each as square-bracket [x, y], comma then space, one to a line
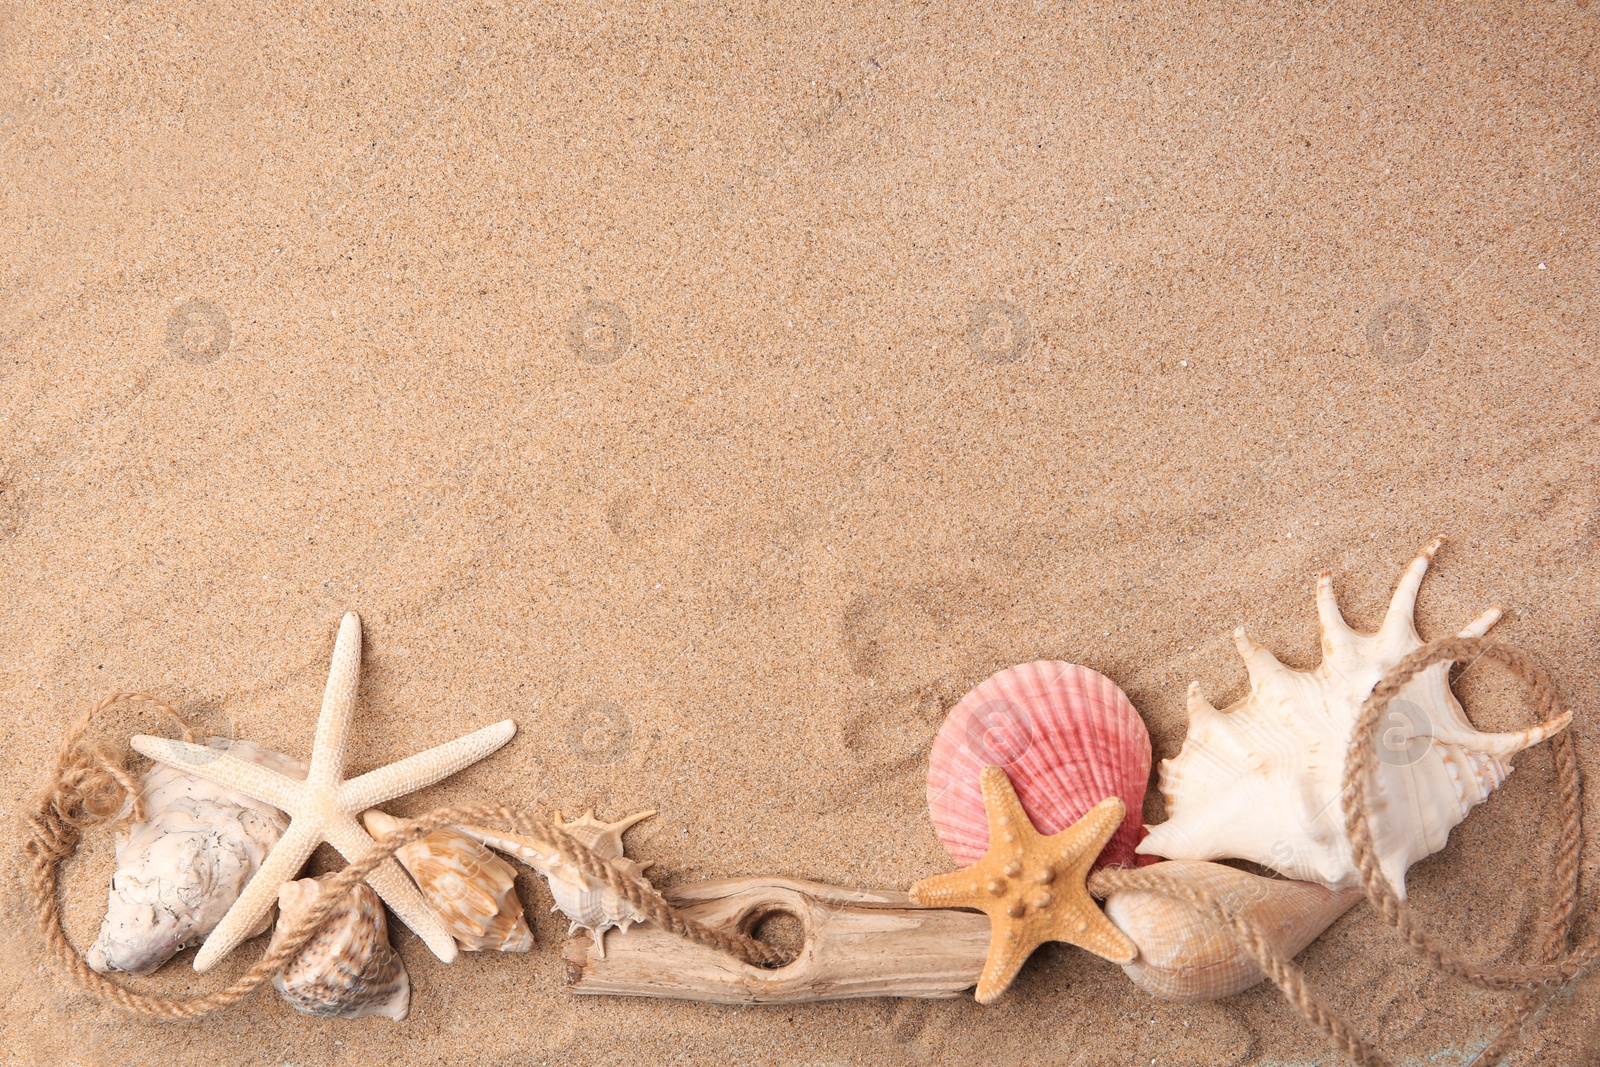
[1067, 738]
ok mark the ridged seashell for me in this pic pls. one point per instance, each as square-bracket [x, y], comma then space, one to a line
[348, 969]
[1188, 957]
[1261, 780]
[470, 887]
[589, 904]
[182, 867]
[1067, 738]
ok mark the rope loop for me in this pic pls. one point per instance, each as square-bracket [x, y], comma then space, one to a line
[89, 785]
[1560, 962]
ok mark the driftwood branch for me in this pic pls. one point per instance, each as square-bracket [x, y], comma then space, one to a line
[856, 943]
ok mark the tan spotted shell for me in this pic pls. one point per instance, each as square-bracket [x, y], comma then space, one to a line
[348, 969]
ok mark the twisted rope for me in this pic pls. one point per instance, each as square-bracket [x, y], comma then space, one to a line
[1560, 963]
[89, 784]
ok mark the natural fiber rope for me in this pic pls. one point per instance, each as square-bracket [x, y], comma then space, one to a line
[89, 784]
[1559, 965]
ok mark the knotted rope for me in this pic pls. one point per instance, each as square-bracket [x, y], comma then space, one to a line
[1560, 962]
[89, 785]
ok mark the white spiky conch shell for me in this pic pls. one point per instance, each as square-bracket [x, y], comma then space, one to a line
[471, 889]
[590, 904]
[1188, 957]
[182, 866]
[348, 969]
[1261, 779]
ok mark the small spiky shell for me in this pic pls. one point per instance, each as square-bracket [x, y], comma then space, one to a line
[1261, 779]
[348, 969]
[1066, 737]
[1187, 957]
[590, 904]
[470, 887]
[181, 868]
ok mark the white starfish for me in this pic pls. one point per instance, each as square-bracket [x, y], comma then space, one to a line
[324, 806]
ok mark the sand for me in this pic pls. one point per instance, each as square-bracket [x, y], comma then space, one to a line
[721, 393]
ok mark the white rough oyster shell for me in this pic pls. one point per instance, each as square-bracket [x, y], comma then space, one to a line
[182, 867]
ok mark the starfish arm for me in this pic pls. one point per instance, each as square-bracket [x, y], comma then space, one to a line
[1005, 960]
[215, 765]
[260, 893]
[1083, 841]
[1091, 930]
[395, 887]
[534, 853]
[423, 769]
[332, 741]
[960, 889]
[1007, 819]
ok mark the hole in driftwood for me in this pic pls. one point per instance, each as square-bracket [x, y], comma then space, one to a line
[781, 929]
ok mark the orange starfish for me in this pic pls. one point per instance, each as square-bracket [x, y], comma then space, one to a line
[1031, 886]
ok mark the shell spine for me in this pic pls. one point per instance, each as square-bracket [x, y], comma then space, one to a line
[1261, 779]
[588, 903]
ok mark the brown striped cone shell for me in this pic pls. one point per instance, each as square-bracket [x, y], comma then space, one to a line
[470, 888]
[181, 868]
[1186, 957]
[348, 969]
[1067, 738]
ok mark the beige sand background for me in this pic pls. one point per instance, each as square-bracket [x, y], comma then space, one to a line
[287, 308]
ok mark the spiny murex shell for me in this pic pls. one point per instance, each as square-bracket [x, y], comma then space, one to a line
[470, 887]
[348, 968]
[183, 866]
[590, 904]
[1187, 957]
[1261, 780]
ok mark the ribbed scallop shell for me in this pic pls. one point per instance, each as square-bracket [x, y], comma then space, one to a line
[182, 867]
[1067, 738]
[1186, 957]
[348, 969]
[470, 887]
[590, 904]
